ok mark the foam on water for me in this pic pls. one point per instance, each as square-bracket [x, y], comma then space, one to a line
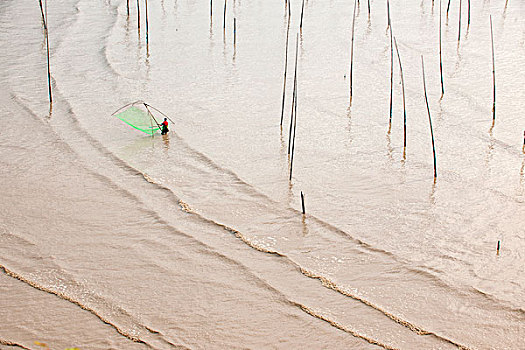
[384, 254]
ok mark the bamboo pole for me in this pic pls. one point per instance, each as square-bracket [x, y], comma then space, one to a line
[523, 147]
[138, 15]
[294, 95]
[404, 103]
[302, 13]
[211, 9]
[48, 67]
[151, 114]
[352, 52]
[158, 110]
[147, 25]
[448, 7]
[285, 68]
[126, 105]
[459, 26]
[44, 24]
[292, 117]
[293, 140]
[391, 74]
[388, 13]
[224, 18]
[43, 16]
[440, 53]
[127, 7]
[294, 128]
[429, 117]
[368, 9]
[46, 37]
[234, 32]
[302, 203]
[468, 23]
[493, 73]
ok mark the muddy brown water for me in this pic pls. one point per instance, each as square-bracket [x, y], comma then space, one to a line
[113, 239]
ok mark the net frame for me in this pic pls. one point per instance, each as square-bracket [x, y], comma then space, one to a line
[152, 129]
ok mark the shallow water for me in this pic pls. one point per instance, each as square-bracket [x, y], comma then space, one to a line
[196, 240]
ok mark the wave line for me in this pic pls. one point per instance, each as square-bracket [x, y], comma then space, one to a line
[12, 274]
[10, 343]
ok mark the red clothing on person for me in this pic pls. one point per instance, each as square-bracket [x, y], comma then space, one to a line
[164, 129]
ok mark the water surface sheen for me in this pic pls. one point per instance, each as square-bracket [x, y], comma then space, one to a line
[196, 240]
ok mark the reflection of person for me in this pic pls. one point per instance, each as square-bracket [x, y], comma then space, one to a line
[164, 127]
[166, 141]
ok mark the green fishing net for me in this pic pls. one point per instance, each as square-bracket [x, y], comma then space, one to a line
[139, 119]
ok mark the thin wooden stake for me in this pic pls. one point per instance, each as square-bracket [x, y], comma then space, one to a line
[294, 95]
[302, 13]
[493, 73]
[234, 31]
[448, 7]
[388, 12]
[352, 52]
[468, 23]
[151, 114]
[391, 70]
[127, 7]
[293, 140]
[147, 25]
[429, 117]
[302, 202]
[224, 18]
[48, 67]
[459, 26]
[43, 16]
[285, 68]
[158, 110]
[404, 103]
[292, 117]
[46, 37]
[211, 9]
[440, 54]
[499, 245]
[138, 15]
[368, 9]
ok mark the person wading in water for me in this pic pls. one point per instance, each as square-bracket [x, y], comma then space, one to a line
[164, 127]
